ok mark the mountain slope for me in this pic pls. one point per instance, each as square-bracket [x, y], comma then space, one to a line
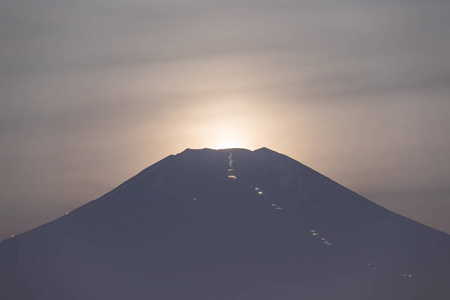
[227, 224]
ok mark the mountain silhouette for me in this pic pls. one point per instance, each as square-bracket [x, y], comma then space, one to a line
[227, 224]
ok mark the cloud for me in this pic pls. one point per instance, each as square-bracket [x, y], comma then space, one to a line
[88, 85]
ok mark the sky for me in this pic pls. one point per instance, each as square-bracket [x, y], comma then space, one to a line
[94, 91]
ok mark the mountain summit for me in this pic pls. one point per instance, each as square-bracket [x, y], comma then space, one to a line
[227, 224]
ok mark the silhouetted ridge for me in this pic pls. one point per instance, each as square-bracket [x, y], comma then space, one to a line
[227, 224]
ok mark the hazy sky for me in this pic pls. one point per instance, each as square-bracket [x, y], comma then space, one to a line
[94, 91]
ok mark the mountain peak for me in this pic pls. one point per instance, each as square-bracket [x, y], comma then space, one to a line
[265, 149]
[268, 152]
[227, 224]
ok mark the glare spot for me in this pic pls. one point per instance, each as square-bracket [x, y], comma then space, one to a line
[227, 143]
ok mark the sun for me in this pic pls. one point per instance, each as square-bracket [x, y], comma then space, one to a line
[227, 144]
[227, 139]
[226, 129]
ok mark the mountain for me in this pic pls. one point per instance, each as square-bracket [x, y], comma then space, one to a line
[227, 224]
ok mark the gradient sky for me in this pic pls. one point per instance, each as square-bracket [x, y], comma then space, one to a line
[94, 91]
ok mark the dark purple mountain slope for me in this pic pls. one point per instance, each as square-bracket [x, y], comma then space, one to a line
[228, 224]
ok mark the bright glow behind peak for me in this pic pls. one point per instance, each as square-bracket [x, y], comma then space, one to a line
[227, 144]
